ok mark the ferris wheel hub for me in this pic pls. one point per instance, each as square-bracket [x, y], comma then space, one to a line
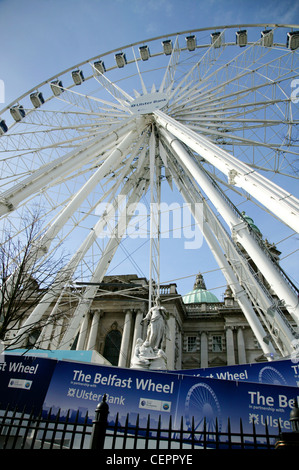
[149, 103]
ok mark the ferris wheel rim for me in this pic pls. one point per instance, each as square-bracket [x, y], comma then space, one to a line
[233, 138]
[120, 116]
[136, 43]
[209, 28]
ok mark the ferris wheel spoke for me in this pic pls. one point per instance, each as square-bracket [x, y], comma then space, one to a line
[99, 272]
[134, 185]
[57, 168]
[219, 75]
[110, 165]
[92, 104]
[169, 76]
[247, 178]
[196, 72]
[120, 95]
[243, 78]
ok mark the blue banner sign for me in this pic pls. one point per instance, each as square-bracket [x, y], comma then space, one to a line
[24, 380]
[282, 372]
[80, 387]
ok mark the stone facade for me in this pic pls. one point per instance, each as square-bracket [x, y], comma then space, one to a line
[203, 334]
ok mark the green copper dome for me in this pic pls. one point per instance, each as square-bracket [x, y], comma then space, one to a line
[200, 294]
[251, 223]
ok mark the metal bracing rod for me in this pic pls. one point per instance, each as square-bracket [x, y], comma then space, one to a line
[154, 261]
[246, 71]
[111, 162]
[231, 279]
[112, 205]
[184, 84]
[61, 166]
[42, 245]
[102, 266]
[280, 202]
[67, 272]
[244, 273]
[238, 227]
[118, 93]
[168, 78]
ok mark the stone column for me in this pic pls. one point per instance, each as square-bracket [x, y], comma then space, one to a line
[241, 346]
[83, 333]
[137, 328]
[230, 350]
[170, 345]
[178, 363]
[204, 354]
[125, 341]
[91, 345]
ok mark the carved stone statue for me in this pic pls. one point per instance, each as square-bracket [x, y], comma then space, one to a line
[157, 329]
[148, 354]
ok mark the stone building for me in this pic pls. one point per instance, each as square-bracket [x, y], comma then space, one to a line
[204, 331]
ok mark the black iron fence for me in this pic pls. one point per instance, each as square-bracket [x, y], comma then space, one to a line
[20, 429]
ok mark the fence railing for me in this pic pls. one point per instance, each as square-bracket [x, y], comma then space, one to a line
[20, 429]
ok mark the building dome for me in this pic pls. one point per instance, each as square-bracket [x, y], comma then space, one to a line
[200, 294]
[251, 223]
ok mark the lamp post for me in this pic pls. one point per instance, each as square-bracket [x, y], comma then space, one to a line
[100, 425]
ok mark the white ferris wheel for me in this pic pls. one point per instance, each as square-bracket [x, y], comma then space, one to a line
[211, 112]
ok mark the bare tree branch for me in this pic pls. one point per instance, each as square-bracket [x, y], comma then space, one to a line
[26, 273]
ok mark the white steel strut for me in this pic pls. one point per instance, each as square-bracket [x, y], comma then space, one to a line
[155, 189]
[60, 167]
[101, 268]
[203, 222]
[280, 202]
[237, 272]
[238, 227]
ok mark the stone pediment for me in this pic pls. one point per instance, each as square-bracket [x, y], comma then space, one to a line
[217, 361]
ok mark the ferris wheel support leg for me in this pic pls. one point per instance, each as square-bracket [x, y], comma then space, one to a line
[111, 162]
[264, 264]
[60, 167]
[280, 202]
[155, 189]
[259, 300]
[239, 292]
[67, 272]
[101, 268]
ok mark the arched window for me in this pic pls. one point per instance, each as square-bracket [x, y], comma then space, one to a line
[112, 347]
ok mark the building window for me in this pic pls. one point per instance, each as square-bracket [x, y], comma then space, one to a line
[112, 347]
[217, 345]
[191, 343]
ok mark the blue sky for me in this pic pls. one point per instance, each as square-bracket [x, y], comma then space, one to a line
[43, 37]
[40, 38]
